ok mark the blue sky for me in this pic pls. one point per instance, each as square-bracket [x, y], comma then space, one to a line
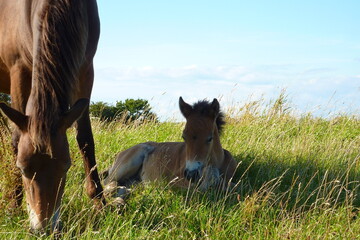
[232, 50]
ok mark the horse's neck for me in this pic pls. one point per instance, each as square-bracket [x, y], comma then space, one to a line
[30, 110]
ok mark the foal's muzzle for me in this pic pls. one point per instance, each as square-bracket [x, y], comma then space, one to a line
[193, 175]
[193, 170]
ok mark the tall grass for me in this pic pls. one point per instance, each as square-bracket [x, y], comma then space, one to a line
[298, 178]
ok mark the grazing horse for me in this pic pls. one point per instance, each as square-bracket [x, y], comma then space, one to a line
[199, 157]
[46, 64]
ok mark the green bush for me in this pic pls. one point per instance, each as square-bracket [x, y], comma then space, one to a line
[128, 110]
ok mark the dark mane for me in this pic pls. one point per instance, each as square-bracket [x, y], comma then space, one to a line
[204, 108]
[60, 49]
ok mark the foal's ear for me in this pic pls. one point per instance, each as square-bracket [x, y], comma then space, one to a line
[215, 108]
[185, 108]
[74, 113]
[20, 119]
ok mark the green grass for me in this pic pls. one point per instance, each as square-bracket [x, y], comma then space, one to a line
[298, 178]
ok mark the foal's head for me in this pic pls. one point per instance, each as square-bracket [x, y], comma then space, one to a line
[204, 122]
[44, 168]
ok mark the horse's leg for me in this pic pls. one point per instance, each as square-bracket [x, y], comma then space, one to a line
[87, 147]
[20, 78]
[86, 143]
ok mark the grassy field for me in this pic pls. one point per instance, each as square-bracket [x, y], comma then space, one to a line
[298, 178]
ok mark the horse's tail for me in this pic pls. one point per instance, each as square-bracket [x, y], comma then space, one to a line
[60, 42]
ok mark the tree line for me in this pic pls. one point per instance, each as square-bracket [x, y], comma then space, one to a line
[128, 110]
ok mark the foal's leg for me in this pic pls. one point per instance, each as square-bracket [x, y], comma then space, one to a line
[86, 144]
[128, 163]
[213, 176]
[20, 78]
[126, 168]
[210, 177]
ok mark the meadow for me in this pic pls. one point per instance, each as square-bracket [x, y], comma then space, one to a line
[298, 178]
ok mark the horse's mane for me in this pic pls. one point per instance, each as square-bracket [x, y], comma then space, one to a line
[59, 52]
[204, 108]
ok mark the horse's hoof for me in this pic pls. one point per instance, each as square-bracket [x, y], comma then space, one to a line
[99, 203]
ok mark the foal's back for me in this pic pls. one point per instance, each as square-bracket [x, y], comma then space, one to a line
[167, 161]
[148, 161]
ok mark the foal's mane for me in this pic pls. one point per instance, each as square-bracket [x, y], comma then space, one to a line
[204, 108]
[59, 51]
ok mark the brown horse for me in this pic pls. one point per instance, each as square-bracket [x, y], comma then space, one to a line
[199, 157]
[46, 64]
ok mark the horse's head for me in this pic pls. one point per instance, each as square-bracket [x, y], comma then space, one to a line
[201, 136]
[44, 171]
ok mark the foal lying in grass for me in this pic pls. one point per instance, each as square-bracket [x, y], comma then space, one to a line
[199, 160]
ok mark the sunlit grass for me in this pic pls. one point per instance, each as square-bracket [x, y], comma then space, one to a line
[298, 178]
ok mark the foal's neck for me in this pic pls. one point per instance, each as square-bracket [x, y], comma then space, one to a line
[217, 152]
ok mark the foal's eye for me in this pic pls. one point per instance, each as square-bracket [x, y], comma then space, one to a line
[209, 139]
